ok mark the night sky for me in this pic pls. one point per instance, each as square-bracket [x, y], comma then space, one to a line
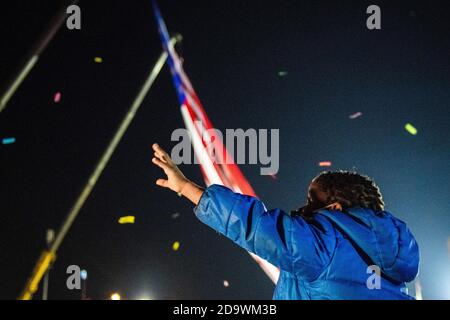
[233, 52]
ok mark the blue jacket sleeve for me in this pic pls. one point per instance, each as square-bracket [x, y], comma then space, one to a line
[288, 243]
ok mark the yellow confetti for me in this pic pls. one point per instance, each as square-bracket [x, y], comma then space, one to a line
[126, 219]
[411, 129]
[175, 246]
[98, 59]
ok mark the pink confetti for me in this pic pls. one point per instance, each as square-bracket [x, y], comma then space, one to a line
[355, 115]
[325, 163]
[57, 97]
[273, 176]
[226, 284]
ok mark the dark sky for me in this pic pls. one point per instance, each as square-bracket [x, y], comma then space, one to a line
[233, 51]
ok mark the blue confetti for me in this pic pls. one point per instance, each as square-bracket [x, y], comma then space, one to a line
[8, 140]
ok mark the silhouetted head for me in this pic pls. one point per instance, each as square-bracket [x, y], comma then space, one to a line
[348, 189]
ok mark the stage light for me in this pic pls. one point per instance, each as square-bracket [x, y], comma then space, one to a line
[115, 296]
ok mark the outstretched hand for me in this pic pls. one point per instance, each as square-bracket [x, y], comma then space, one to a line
[176, 181]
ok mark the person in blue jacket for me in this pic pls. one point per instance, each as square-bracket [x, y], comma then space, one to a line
[341, 245]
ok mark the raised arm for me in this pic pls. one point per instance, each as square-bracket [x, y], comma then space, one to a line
[288, 243]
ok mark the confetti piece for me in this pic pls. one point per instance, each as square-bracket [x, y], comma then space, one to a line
[175, 215]
[98, 59]
[325, 164]
[50, 236]
[411, 129]
[226, 284]
[57, 97]
[273, 176]
[355, 115]
[126, 219]
[282, 73]
[175, 246]
[8, 140]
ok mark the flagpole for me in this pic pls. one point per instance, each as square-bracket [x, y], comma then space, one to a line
[33, 58]
[210, 173]
[48, 256]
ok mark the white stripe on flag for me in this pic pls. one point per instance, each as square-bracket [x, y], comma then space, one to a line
[199, 149]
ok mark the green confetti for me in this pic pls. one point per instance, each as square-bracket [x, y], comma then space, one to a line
[411, 129]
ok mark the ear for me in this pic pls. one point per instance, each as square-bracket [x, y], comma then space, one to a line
[334, 206]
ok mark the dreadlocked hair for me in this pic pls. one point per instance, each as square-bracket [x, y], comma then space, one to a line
[350, 189]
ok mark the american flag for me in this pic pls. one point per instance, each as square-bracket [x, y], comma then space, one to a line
[217, 167]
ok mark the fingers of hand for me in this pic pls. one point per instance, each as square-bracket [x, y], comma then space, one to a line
[158, 149]
[161, 154]
[161, 164]
[162, 183]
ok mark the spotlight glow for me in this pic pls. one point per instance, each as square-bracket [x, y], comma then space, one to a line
[115, 296]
